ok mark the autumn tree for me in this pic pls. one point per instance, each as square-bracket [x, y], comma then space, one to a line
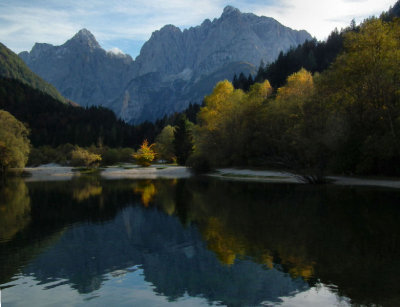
[14, 143]
[291, 131]
[145, 155]
[83, 157]
[361, 89]
[229, 129]
[344, 120]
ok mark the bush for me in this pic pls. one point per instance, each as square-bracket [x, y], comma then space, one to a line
[114, 155]
[82, 157]
[47, 154]
[110, 156]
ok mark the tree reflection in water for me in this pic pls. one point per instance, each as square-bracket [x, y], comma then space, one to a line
[15, 208]
[260, 233]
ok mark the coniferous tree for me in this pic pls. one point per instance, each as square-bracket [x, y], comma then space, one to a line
[183, 142]
[235, 81]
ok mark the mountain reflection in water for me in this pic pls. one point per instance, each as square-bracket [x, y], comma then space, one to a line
[197, 241]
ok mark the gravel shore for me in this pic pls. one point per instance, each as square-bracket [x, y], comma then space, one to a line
[54, 172]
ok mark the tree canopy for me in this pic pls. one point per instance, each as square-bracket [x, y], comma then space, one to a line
[145, 154]
[14, 142]
[164, 145]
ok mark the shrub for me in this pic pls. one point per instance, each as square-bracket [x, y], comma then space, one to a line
[82, 157]
[145, 154]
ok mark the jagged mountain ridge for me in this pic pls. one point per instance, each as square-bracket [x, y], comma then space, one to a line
[234, 37]
[80, 69]
[174, 67]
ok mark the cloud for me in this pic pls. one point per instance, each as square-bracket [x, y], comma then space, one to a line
[115, 50]
[321, 17]
[19, 25]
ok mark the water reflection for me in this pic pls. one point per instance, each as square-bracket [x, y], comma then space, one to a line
[89, 187]
[146, 189]
[341, 236]
[231, 243]
[15, 209]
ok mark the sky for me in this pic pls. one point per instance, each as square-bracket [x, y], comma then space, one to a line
[124, 25]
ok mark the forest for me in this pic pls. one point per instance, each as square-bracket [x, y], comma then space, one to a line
[344, 120]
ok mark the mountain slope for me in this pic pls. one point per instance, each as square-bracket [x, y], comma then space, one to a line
[173, 69]
[12, 67]
[54, 123]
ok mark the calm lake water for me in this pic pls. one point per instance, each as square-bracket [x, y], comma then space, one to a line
[197, 242]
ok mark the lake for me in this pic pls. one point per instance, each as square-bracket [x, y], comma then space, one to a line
[197, 242]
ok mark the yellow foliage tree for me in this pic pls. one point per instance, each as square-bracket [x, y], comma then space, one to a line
[228, 123]
[145, 154]
[286, 111]
[298, 85]
[82, 157]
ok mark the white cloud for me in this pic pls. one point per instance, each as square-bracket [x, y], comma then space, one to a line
[116, 51]
[321, 17]
[21, 27]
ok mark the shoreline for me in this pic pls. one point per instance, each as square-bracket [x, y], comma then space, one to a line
[54, 172]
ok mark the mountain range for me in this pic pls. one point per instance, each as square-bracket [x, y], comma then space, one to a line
[173, 69]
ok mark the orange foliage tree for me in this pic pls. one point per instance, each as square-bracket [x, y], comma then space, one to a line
[145, 155]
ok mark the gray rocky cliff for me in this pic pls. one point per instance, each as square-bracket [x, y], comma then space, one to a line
[80, 69]
[174, 67]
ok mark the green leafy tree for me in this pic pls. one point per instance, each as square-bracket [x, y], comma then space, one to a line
[14, 142]
[145, 154]
[361, 90]
[164, 145]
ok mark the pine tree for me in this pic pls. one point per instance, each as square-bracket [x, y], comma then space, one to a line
[183, 142]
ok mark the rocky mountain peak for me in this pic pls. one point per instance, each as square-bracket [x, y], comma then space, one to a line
[167, 30]
[86, 38]
[39, 49]
[171, 28]
[230, 10]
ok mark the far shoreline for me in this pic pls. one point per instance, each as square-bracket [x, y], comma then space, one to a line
[55, 172]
